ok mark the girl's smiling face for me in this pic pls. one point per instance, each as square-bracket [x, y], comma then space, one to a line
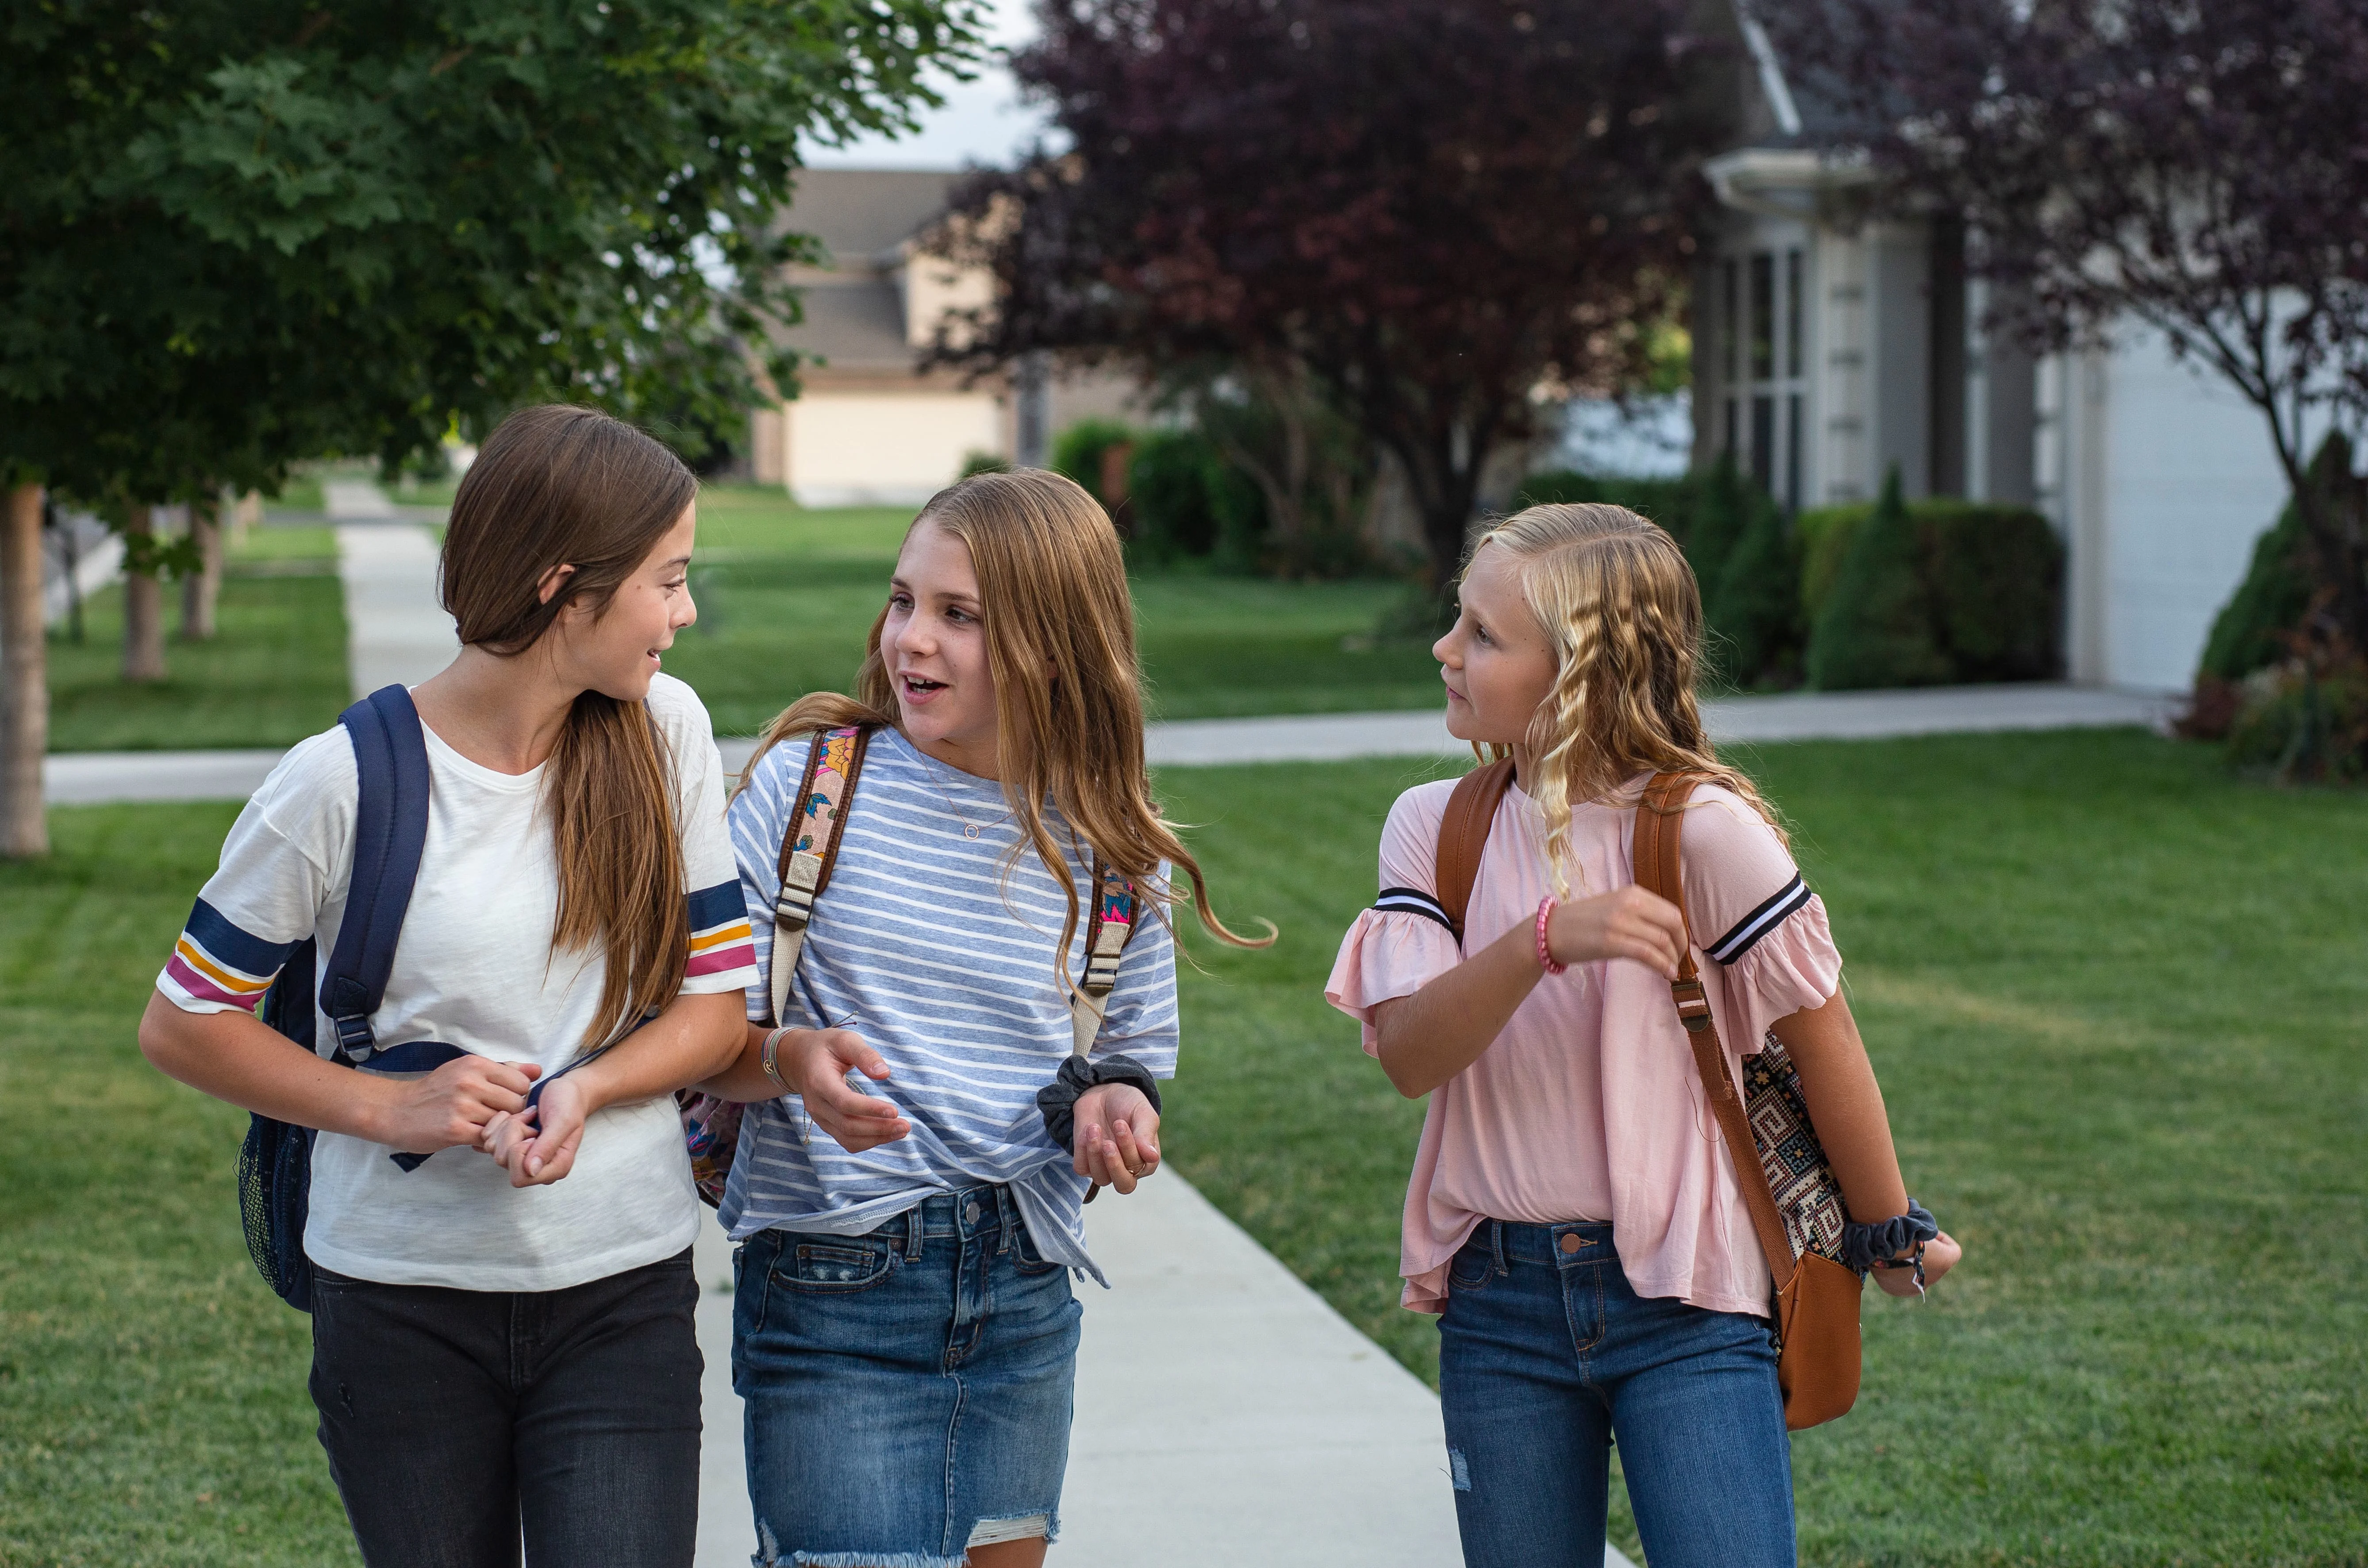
[935, 646]
[615, 648]
[1496, 659]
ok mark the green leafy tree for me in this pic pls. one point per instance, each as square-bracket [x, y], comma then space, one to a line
[237, 235]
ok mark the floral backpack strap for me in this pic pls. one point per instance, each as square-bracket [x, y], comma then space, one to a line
[810, 848]
[1109, 929]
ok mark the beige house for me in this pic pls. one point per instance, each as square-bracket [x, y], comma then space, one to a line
[870, 429]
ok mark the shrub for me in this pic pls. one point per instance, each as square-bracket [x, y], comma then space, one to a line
[2253, 628]
[1077, 453]
[1877, 627]
[2306, 724]
[1824, 533]
[979, 461]
[1557, 487]
[1237, 509]
[1996, 578]
[1754, 606]
[1168, 479]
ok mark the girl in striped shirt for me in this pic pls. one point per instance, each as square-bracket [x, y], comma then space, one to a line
[904, 1334]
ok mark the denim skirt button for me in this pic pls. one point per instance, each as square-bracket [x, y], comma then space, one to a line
[969, 1212]
[1571, 1242]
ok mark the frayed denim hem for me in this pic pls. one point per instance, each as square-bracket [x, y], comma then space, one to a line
[768, 1555]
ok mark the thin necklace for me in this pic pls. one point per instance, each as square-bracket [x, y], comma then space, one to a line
[970, 829]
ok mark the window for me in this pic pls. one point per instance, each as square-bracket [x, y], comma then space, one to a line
[1793, 315]
[1763, 315]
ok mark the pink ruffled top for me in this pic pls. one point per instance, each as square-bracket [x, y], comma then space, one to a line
[1586, 1107]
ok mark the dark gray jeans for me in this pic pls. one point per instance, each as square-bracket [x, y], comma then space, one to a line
[457, 1421]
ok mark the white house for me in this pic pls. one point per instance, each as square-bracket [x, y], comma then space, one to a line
[1826, 352]
[870, 429]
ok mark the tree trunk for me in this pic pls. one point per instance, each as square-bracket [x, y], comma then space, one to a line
[23, 678]
[202, 588]
[143, 606]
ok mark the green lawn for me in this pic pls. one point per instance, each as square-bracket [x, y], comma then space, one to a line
[274, 674]
[2115, 997]
[786, 596]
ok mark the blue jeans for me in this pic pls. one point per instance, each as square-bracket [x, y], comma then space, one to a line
[908, 1389]
[1545, 1355]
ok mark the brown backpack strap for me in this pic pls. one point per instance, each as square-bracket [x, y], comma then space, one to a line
[1660, 821]
[1464, 835]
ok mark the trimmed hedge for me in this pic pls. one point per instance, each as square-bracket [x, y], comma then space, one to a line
[1168, 479]
[1077, 453]
[1938, 591]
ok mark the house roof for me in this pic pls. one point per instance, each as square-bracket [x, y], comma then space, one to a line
[862, 215]
[855, 324]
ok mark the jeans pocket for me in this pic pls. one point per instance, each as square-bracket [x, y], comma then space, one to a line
[1025, 1259]
[1470, 1267]
[834, 1268]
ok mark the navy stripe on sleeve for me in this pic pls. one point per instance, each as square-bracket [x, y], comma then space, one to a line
[1747, 931]
[718, 905]
[239, 949]
[1412, 900]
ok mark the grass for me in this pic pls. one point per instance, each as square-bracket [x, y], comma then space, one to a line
[152, 1390]
[2114, 995]
[2115, 998]
[786, 597]
[274, 673]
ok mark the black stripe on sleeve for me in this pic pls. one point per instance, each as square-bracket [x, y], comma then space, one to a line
[1412, 900]
[1747, 931]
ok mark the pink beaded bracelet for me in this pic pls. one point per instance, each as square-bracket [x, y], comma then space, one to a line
[1546, 954]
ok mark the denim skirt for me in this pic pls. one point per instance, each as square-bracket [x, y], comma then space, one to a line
[907, 1390]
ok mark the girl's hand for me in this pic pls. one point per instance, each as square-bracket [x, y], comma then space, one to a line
[451, 1105]
[538, 1145]
[1118, 1136]
[815, 1064]
[1626, 924]
[1940, 1255]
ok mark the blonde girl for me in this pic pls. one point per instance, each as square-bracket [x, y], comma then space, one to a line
[1573, 1216]
[502, 1337]
[904, 1335]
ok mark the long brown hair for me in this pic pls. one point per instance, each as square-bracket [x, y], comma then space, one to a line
[1614, 595]
[561, 486]
[1052, 586]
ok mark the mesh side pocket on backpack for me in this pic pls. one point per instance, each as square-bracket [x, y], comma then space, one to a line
[275, 1166]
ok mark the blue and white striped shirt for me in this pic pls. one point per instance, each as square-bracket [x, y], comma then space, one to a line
[943, 962]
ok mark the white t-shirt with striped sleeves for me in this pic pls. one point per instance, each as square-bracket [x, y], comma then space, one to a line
[474, 968]
[942, 957]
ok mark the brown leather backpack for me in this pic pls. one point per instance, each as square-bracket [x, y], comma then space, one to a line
[1816, 1298]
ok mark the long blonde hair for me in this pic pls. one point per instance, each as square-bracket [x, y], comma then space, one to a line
[1614, 594]
[1052, 586]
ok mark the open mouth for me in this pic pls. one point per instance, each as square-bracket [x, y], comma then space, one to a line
[920, 687]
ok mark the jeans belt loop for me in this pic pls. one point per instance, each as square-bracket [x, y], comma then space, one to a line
[1497, 1245]
[913, 1223]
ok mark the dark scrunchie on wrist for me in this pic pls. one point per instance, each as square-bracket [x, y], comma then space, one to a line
[1863, 1244]
[1058, 1099]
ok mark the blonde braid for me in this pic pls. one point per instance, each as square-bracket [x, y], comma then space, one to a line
[1615, 594]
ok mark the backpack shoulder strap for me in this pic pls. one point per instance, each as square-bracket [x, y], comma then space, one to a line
[809, 847]
[390, 832]
[1109, 928]
[1464, 835]
[1660, 822]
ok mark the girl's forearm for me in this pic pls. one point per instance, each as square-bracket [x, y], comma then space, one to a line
[1845, 1105]
[234, 1057]
[1426, 1039]
[743, 1077]
[693, 1037]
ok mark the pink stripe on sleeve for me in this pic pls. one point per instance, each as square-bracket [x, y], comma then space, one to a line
[720, 960]
[190, 980]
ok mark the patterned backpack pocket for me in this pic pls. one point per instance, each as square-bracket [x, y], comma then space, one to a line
[1807, 1196]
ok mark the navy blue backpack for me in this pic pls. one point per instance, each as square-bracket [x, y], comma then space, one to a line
[274, 1165]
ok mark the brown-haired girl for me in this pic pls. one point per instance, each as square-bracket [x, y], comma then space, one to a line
[502, 1335]
[1573, 1215]
[903, 1335]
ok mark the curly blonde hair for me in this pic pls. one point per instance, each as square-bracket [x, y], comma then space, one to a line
[1614, 594]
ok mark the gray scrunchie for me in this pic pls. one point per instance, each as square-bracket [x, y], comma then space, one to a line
[1862, 1244]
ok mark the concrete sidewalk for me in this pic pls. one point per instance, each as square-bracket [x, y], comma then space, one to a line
[400, 643]
[395, 632]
